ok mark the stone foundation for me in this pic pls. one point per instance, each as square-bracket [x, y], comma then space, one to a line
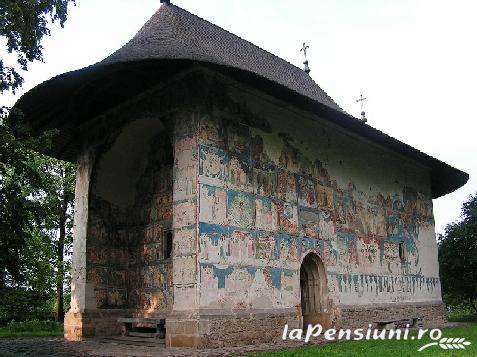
[215, 330]
[431, 314]
[101, 322]
[220, 329]
[250, 330]
[182, 332]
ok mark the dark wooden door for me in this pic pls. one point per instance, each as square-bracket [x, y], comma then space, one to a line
[313, 290]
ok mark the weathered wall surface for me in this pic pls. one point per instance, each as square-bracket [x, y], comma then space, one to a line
[107, 253]
[120, 267]
[249, 186]
[130, 212]
[430, 314]
[272, 192]
[149, 269]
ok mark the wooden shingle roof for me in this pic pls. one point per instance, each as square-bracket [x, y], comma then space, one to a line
[174, 33]
[171, 41]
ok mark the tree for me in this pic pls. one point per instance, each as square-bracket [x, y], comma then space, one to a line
[21, 182]
[59, 223]
[30, 184]
[458, 258]
[24, 23]
[35, 231]
[36, 208]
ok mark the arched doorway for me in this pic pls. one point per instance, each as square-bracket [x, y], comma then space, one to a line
[314, 291]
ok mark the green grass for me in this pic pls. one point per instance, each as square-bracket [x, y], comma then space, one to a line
[462, 315]
[33, 328]
[387, 348]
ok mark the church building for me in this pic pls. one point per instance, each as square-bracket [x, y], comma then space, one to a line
[222, 194]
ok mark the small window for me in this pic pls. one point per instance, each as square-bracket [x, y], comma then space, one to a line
[401, 251]
[168, 245]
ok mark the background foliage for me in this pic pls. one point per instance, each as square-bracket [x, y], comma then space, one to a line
[458, 259]
[36, 192]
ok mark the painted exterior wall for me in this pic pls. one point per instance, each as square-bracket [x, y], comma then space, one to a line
[149, 269]
[127, 225]
[249, 201]
[269, 196]
[248, 185]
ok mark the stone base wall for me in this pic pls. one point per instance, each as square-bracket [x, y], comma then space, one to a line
[430, 314]
[215, 331]
[250, 330]
[183, 332]
[79, 325]
[220, 330]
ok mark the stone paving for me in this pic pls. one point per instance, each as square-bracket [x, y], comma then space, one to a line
[58, 347]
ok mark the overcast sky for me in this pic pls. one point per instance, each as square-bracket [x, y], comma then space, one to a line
[414, 60]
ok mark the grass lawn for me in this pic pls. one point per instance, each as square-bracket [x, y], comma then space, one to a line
[388, 348]
[32, 329]
[463, 316]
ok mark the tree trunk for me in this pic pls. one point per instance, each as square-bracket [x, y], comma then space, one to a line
[60, 312]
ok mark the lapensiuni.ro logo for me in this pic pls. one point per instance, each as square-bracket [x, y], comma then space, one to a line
[359, 334]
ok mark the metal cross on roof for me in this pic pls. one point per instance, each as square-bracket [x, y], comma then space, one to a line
[363, 114]
[304, 48]
[305, 62]
[361, 99]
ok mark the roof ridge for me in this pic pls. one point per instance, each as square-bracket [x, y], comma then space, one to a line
[252, 44]
[299, 70]
[233, 34]
[175, 33]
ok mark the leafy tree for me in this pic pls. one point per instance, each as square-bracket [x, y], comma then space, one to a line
[59, 223]
[458, 258]
[35, 191]
[22, 180]
[35, 231]
[32, 298]
[24, 23]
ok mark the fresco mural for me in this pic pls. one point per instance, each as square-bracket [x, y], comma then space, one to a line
[264, 204]
[243, 207]
[126, 253]
[150, 270]
[107, 253]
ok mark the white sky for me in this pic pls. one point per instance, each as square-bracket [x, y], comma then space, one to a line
[415, 61]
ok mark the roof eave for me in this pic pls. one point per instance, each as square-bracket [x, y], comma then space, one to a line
[443, 178]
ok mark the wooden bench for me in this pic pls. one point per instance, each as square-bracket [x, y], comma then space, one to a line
[400, 322]
[143, 327]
